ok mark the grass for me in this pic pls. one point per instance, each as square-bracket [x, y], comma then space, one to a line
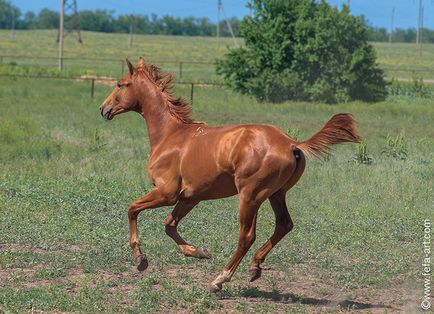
[399, 60]
[67, 178]
[163, 50]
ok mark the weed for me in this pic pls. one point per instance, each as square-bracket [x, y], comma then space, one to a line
[361, 156]
[396, 147]
[96, 143]
[294, 132]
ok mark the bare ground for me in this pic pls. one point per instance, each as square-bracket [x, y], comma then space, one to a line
[275, 287]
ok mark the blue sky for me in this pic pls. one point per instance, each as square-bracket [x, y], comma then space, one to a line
[377, 11]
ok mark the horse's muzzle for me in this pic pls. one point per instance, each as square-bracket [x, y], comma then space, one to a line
[106, 112]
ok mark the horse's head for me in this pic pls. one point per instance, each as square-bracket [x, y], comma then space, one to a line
[124, 96]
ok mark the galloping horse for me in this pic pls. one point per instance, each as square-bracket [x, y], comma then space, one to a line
[191, 161]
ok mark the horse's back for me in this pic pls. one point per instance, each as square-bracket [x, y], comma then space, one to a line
[233, 156]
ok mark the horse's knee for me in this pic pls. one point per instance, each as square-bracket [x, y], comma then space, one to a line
[132, 211]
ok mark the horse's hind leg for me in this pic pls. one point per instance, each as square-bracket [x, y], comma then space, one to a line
[180, 211]
[284, 225]
[247, 235]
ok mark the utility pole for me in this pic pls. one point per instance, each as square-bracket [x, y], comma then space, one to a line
[348, 4]
[421, 30]
[219, 5]
[130, 37]
[229, 26]
[61, 30]
[251, 8]
[419, 23]
[71, 19]
[391, 26]
[13, 25]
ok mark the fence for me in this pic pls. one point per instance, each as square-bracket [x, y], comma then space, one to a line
[191, 71]
[198, 71]
[93, 80]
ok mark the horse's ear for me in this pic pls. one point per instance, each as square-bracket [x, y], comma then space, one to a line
[130, 66]
[141, 63]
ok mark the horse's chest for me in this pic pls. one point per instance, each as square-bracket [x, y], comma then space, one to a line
[165, 166]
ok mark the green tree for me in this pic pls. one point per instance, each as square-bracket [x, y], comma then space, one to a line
[48, 19]
[301, 49]
[7, 13]
[97, 21]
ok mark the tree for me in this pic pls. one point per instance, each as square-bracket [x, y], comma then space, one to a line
[97, 21]
[7, 13]
[301, 49]
[48, 19]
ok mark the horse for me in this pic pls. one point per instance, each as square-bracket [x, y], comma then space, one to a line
[191, 161]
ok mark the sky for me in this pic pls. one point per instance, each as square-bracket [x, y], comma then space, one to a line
[378, 12]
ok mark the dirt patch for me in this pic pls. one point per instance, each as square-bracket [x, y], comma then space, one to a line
[279, 289]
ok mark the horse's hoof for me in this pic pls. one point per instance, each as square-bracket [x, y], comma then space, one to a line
[255, 273]
[141, 262]
[215, 287]
[202, 253]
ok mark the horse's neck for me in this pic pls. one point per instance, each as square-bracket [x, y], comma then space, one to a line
[159, 121]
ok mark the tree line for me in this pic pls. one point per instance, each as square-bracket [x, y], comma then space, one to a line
[108, 22]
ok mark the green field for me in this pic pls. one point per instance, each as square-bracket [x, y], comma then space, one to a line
[399, 60]
[67, 179]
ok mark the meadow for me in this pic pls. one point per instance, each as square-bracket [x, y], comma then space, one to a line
[399, 60]
[67, 178]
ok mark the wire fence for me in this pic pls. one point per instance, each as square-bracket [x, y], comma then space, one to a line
[107, 81]
[192, 71]
[189, 73]
[185, 71]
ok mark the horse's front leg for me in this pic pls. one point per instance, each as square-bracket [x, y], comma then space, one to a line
[180, 211]
[155, 198]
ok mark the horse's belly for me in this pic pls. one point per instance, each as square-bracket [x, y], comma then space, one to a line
[220, 186]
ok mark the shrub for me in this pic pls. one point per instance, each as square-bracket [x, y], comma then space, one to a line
[304, 50]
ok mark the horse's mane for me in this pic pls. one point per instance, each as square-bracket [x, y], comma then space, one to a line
[178, 107]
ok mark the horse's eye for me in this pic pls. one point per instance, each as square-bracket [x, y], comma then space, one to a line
[119, 85]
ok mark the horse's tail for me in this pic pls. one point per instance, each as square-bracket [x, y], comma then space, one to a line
[340, 128]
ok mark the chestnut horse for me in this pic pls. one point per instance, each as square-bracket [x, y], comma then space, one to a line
[191, 161]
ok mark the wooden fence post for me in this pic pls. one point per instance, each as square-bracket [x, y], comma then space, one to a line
[122, 67]
[92, 88]
[191, 93]
[180, 71]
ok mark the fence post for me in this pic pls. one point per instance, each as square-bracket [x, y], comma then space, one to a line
[180, 71]
[92, 88]
[122, 67]
[191, 93]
